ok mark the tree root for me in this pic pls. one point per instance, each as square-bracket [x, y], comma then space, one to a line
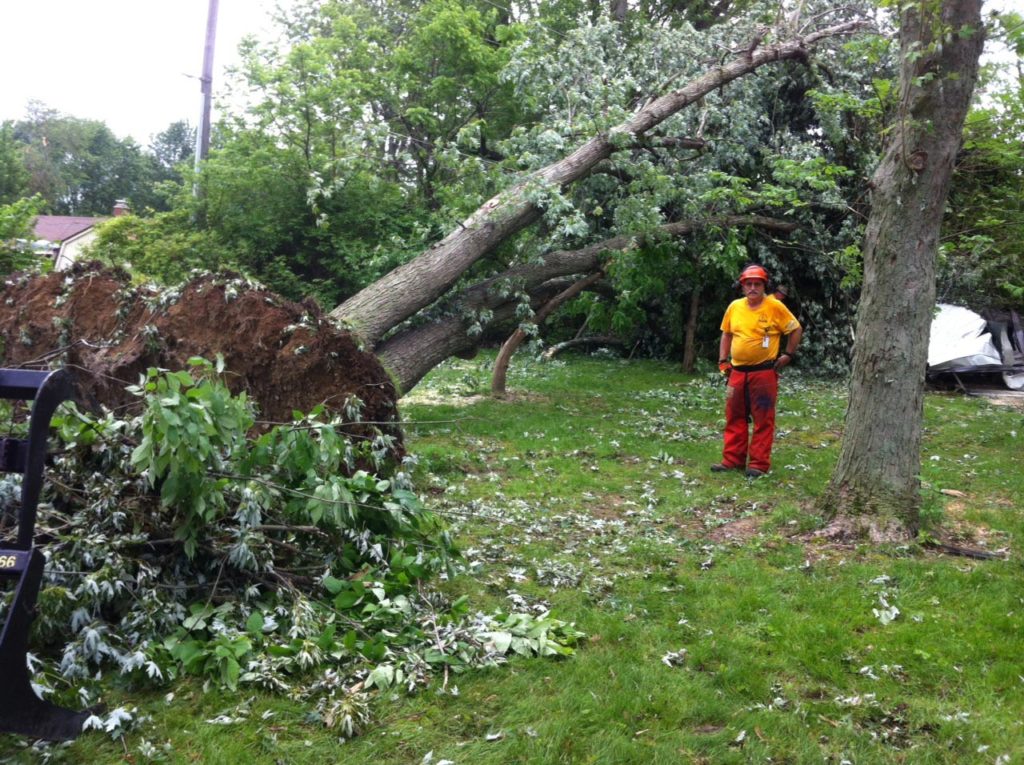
[966, 552]
[860, 529]
[864, 528]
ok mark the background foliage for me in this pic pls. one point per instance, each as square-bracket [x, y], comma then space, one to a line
[368, 133]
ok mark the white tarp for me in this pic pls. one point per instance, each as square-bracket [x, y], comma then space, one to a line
[959, 339]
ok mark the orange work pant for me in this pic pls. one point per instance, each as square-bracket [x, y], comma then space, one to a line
[750, 396]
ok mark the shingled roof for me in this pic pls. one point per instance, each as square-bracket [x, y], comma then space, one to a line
[57, 228]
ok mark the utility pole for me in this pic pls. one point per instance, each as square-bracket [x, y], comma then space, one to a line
[206, 85]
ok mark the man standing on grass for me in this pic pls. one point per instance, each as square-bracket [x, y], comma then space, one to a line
[748, 355]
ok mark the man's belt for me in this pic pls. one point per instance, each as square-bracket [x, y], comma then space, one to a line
[754, 367]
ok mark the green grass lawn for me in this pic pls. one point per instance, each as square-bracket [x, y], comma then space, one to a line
[717, 629]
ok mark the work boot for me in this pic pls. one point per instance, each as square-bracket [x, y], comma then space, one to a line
[755, 473]
[720, 468]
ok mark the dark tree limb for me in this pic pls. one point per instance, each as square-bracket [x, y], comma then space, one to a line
[965, 552]
[674, 142]
[498, 377]
[690, 334]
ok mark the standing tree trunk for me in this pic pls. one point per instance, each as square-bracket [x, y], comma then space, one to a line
[690, 335]
[873, 492]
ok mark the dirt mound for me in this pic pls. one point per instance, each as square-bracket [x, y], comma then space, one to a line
[286, 356]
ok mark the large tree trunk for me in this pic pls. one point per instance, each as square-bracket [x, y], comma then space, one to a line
[412, 352]
[409, 355]
[401, 293]
[874, 489]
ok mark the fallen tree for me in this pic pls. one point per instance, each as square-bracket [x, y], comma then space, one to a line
[297, 346]
[412, 352]
[382, 306]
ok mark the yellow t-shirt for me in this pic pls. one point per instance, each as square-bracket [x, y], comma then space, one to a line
[749, 327]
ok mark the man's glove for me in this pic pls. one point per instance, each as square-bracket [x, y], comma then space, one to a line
[724, 366]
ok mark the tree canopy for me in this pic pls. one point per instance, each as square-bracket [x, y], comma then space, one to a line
[463, 102]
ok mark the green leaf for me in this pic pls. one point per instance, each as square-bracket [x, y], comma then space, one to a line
[230, 670]
[350, 640]
[334, 585]
[347, 599]
[383, 676]
[142, 452]
[254, 624]
[500, 641]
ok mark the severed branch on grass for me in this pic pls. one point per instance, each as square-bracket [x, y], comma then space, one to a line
[498, 378]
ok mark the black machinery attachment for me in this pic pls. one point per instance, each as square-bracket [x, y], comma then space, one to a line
[21, 710]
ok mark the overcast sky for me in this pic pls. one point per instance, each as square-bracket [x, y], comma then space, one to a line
[134, 64]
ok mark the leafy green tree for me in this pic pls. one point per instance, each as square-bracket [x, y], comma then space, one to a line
[445, 90]
[171, 147]
[16, 234]
[981, 262]
[13, 175]
[165, 247]
[351, 154]
[700, 13]
[79, 167]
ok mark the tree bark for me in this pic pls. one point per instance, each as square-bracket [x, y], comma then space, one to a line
[398, 295]
[690, 335]
[409, 355]
[500, 374]
[412, 352]
[874, 490]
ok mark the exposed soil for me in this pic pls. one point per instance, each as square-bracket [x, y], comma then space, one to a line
[740, 530]
[286, 356]
[1000, 396]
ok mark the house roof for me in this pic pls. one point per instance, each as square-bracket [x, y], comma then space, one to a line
[57, 228]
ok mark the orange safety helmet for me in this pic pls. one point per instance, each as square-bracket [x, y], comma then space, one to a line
[753, 272]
